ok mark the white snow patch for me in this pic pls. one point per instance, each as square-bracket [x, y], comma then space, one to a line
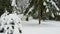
[46, 27]
[59, 13]
[13, 3]
[47, 10]
[44, 3]
[53, 15]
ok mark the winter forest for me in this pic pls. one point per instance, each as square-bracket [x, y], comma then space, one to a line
[29, 16]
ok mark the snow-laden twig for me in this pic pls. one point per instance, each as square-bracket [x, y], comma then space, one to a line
[53, 3]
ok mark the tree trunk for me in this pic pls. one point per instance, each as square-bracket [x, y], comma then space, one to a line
[39, 17]
[27, 19]
[39, 21]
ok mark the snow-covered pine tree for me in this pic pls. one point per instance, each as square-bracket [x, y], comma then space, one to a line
[10, 23]
[46, 11]
[53, 9]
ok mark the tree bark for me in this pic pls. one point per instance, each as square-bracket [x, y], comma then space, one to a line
[39, 17]
[39, 21]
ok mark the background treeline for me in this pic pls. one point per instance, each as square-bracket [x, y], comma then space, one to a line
[39, 11]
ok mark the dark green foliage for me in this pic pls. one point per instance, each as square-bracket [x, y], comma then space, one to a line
[32, 3]
[57, 17]
[41, 9]
[38, 7]
[5, 4]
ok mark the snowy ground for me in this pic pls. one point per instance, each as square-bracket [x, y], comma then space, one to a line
[46, 27]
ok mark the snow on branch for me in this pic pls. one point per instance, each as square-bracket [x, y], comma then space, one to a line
[53, 3]
[13, 3]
